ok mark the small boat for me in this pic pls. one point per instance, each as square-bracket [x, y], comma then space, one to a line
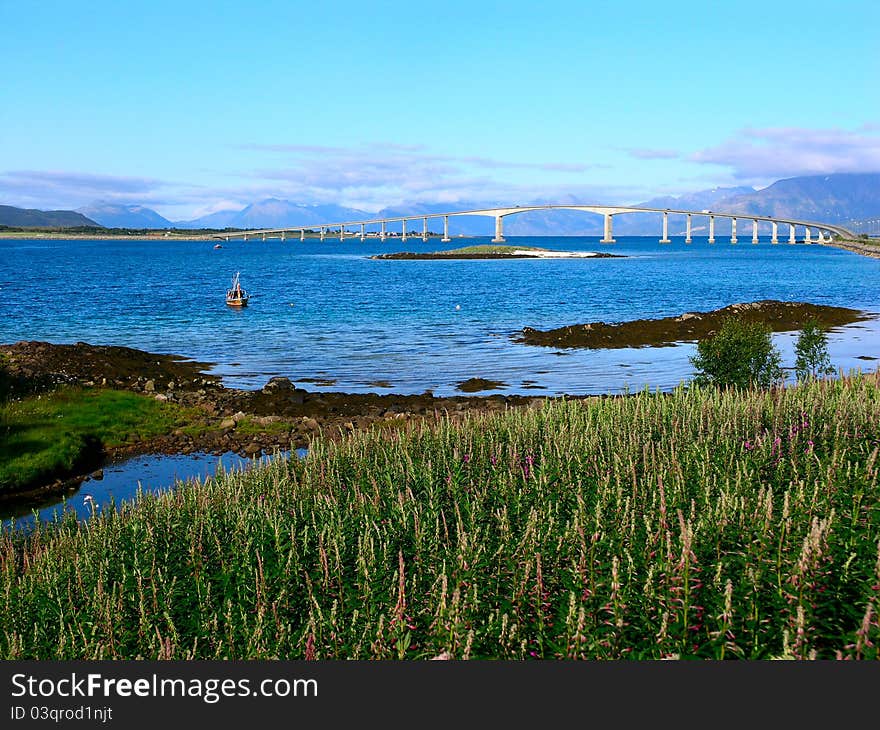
[236, 296]
[217, 246]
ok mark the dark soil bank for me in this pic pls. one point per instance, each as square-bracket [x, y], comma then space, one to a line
[779, 316]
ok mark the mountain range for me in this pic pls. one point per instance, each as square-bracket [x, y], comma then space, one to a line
[32, 218]
[836, 198]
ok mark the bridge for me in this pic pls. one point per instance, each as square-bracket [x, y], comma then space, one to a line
[824, 231]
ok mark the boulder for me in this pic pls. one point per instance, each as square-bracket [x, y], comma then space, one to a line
[278, 383]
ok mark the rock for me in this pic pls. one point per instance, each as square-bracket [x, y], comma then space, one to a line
[266, 420]
[297, 397]
[311, 424]
[97, 474]
[150, 386]
[278, 383]
[252, 449]
[240, 416]
[161, 397]
[227, 423]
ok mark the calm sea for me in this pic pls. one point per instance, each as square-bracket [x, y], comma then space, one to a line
[327, 311]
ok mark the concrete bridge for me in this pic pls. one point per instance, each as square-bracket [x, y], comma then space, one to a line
[823, 231]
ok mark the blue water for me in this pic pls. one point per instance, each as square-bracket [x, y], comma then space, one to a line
[121, 483]
[326, 311]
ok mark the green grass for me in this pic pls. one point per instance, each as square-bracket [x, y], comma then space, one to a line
[53, 433]
[699, 524]
[492, 249]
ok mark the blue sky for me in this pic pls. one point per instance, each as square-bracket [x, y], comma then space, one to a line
[191, 107]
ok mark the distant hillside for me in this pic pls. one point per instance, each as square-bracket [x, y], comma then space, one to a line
[220, 219]
[828, 198]
[274, 213]
[115, 215]
[31, 218]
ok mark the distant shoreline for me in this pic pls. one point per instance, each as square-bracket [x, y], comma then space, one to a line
[42, 235]
[863, 248]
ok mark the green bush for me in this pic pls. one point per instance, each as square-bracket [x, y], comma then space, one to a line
[811, 351]
[740, 355]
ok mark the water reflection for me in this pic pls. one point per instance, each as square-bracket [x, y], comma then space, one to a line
[121, 482]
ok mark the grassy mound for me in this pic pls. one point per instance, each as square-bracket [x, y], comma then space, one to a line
[486, 248]
[695, 524]
[56, 433]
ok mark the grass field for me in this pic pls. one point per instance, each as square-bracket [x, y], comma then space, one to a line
[56, 432]
[697, 524]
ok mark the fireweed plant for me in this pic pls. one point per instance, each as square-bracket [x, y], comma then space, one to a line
[702, 523]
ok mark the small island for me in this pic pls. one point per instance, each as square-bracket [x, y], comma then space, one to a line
[497, 252]
[688, 327]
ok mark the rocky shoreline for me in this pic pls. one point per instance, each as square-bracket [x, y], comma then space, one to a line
[279, 416]
[859, 247]
[667, 331]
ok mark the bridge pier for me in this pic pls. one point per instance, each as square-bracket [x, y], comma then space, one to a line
[302, 235]
[687, 235]
[264, 237]
[807, 235]
[711, 229]
[282, 236]
[774, 238]
[424, 229]
[403, 237]
[733, 230]
[499, 230]
[608, 237]
[791, 238]
[382, 232]
[445, 238]
[245, 237]
[754, 231]
[665, 238]
[341, 234]
[363, 231]
[323, 233]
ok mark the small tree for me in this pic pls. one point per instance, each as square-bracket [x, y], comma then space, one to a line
[811, 351]
[740, 355]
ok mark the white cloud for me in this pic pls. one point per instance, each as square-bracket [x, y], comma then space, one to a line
[764, 155]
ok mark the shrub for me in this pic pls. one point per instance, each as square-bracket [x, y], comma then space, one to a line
[811, 351]
[740, 355]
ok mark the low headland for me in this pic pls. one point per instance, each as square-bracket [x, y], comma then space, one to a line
[496, 252]
[70, 408]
